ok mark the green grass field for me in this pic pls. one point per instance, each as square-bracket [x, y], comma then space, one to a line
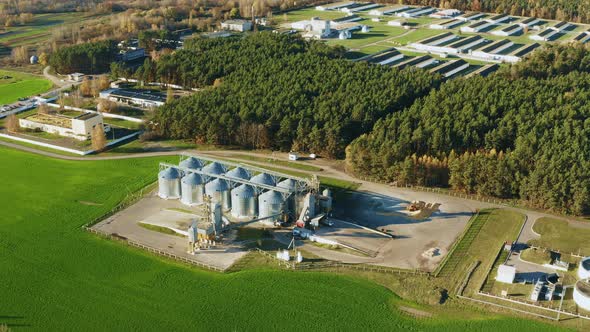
[20, 85]
[558, 235]
[55, 276]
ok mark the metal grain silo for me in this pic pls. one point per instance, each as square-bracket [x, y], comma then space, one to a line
[192, 163]
[238, 173]
[169, 183]
[263, 178]
[214, 168]
[288, 184]
[243, 201]
[218, 190]
[270, 203]
[192, 189]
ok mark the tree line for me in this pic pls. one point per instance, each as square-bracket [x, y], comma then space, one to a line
[87, 58]
[506, 135]
[279, 92]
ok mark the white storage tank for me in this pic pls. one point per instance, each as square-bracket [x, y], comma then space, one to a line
[218, 190]
[192, 163]
[270, 203]
[169, 183]
[243, 201]
[584, 268]
[192, 189]
[238, 173]
[214, 168]
[582, 294]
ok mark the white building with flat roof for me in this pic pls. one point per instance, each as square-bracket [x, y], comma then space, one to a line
[506, 274]
[237, 25]
[79, 127]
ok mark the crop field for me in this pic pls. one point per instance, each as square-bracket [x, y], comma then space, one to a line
[558, 235]
[55, 276]
[15, 85]
[39, 30]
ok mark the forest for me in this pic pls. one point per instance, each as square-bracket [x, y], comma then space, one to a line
[278, 92]
[521, 133]
[88, 58]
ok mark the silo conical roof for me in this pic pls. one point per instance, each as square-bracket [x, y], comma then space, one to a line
[263, 178]
[244, 191]
[192, 179]
[214, 168]
[288, 184]
[169, 173]
[216, 185]
[192, 163]
[239, 173]
[271, 197]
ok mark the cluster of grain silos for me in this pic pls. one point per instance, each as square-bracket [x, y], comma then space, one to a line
[242, 190]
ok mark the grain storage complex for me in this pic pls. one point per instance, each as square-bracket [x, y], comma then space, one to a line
[242, 191]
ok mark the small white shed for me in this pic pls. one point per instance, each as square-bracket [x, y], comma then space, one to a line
[506, 274]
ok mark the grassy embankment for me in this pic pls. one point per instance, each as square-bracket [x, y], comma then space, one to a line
[55, 276]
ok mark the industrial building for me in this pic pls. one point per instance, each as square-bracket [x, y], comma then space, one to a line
[529, 23]
[484, 70]
[359, 7]
[471, 16]
[446, 25]
[446, 13]
[384, 57]
[335, 6]
[141, 98]
[583, 37]
[79, 127]
[477, 27]
[450, 68]
[236, 25]
[131, 53]
[552, 32]
[242, 191]
[415, 12]
[493, 52]
[438, 39]
[497, 19]
[445, 44]
[418, 62]
[508, 31]
[388, 10]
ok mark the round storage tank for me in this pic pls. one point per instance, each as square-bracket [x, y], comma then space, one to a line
[169, 183]
[243, 201]
[270, 203]
[288, 184]
[219, 191]
[584, 268]
[238, 173]
[192, 189]
[582, 294]
[263, 178]
[192, 163]
[214, 168]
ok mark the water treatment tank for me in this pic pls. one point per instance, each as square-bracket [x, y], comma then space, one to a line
[219, 191]
[243, 201]
[192, 189]
[238, 173]
[192, 163]
[584, 268]
[214, 168]
[288, 184]
[169, 183]
[270, 203]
